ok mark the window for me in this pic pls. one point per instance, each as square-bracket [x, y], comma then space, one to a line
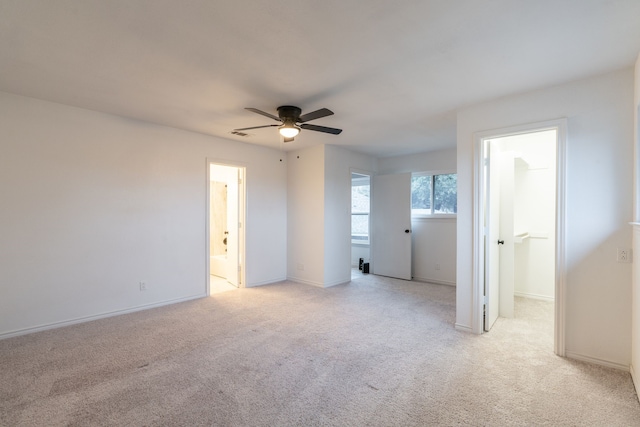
[434, 194]
[360, 202]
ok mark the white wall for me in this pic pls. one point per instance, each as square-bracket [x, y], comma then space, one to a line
[92, 204]
[305, 215]
[337, 251]
[535, 256]
[635, 304]
[440, 160]
[359, 251]
[598, 206]
[635, 307]
[636, 147]
[433, 239]
[319, 231]
[534, 213]
[434, 250]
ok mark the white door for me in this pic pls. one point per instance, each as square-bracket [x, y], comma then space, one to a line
[391, 226]
[507, 249]
[492, 235]
[232, 227]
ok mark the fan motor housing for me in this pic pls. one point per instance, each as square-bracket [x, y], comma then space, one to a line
[289, 112]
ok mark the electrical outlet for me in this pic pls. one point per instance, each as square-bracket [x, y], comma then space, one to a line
[437, 266]
[624, 255]
[300, 266]
[143, 286]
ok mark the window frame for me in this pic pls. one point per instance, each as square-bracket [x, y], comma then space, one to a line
[433, 214]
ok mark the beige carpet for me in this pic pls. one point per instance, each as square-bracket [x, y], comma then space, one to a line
[375, 352]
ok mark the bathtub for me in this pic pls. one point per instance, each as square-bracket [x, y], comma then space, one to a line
[218, 265]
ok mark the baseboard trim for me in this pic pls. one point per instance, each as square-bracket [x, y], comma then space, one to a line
[434, 281]
[265, 282]
[61, 324]
[534, 296]
[596, 361]
[336, 283]
[305, 282]
[318, 284]
[463, 328]
[635, 380]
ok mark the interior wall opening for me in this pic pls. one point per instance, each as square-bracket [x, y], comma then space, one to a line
[225, 225]
[520, 215]
[360, 227]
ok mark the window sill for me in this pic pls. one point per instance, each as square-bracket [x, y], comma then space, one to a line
[435, 216]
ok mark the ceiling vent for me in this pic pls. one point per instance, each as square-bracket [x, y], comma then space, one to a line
[235, 132]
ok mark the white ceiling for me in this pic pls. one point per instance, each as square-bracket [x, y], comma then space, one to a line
[394, 72]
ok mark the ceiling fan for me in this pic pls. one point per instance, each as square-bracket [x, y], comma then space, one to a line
[291, 122]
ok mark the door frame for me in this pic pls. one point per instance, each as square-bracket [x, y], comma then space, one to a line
[242, 217]
[560, 125]
[370, 175]
[492, 275]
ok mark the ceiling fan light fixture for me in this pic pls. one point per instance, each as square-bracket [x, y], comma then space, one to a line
[289, 130]
[291, 122]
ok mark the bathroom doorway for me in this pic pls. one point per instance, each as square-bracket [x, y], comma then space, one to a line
[225, 225]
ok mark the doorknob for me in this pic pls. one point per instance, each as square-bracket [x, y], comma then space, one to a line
[407, 231]
[501, 242]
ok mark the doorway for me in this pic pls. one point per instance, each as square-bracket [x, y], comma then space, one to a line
[225, 227]
[519, 214]
[360, 225]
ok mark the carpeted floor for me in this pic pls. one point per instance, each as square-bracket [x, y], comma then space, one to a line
[374, 352]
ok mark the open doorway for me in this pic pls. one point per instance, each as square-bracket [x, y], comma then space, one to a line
[225, 225]
[519, 215]
[360, 226]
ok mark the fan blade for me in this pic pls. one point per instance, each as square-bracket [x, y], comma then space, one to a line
[323, 112]
[257, 127]
[271, 116]
[288, 139]
[324, 129]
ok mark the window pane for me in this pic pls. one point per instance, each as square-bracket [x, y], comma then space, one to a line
[360, 227]
[421, 194]
[445, 194]
[360, 199]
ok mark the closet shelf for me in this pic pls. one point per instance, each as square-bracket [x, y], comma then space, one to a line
[519, 238]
